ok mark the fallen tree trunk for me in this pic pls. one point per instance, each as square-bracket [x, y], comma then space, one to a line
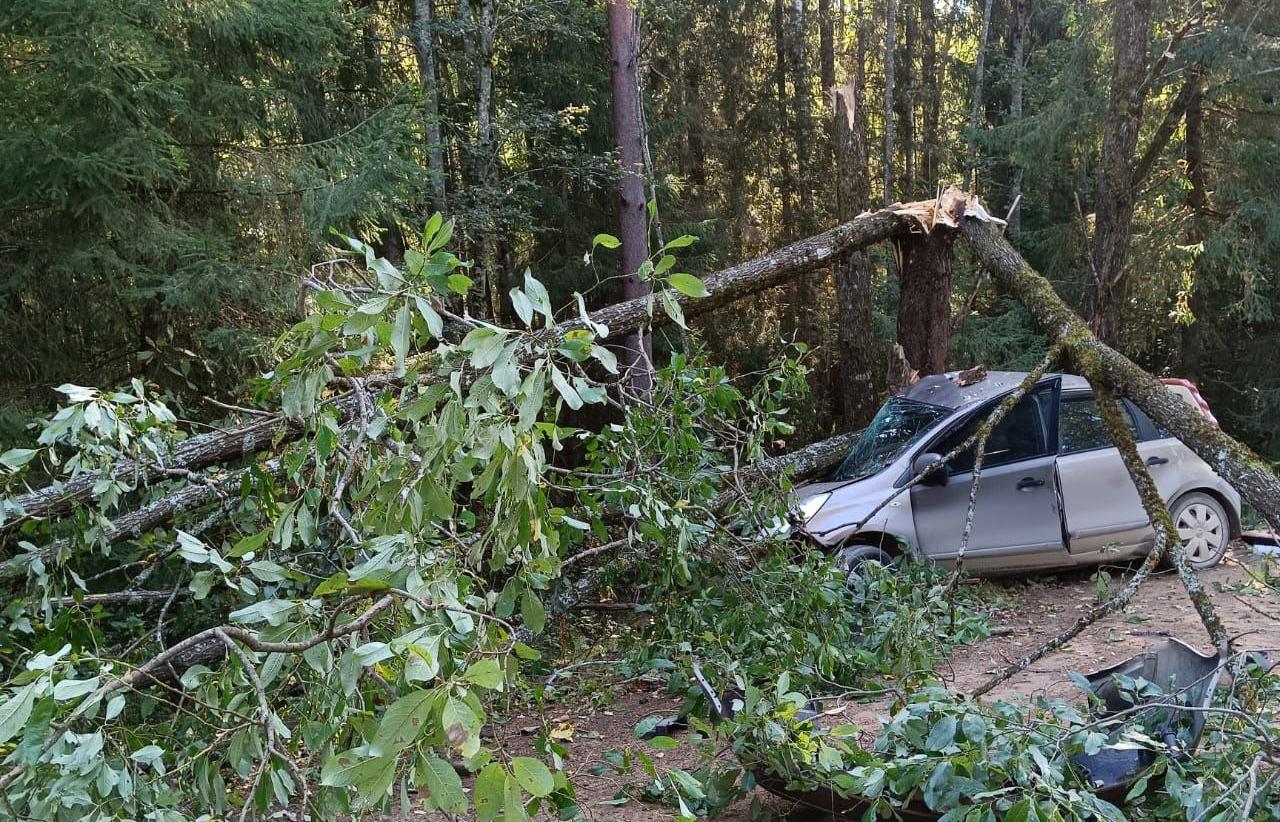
[1234, 462]
[136, 523]
[723, 287]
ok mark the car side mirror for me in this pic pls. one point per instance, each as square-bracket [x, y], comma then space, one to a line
[931, 462]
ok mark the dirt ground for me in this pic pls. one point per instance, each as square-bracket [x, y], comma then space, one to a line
[1035, 610]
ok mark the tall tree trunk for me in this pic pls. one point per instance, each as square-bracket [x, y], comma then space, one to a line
[924, 301]
[695, 139]
[908, 106]
[1197, 200]
[806, 292]
[890, 14]
[930, 104]
[860, 361]
[976, 111]
[1020, 10]
[782, 117]
[424, 48]
[483, 297]
[1113, 212]
[637, 355]
[827, 66]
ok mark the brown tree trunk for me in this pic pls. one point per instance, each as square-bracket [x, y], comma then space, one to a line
[807, 294]
[1113, 212]
[483, 296]
[924, 300]
[637, 352]
[424, 49]
[929, 82]
[827, 66]
[1020, 11]
[976, 110]
[860, 360]
[782, 118]
[1197, 200]
[907, 115]
[890, 35]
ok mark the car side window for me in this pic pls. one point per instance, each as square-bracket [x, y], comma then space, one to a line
[1022, 434]
[1080, 425]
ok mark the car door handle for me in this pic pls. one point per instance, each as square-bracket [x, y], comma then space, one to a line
[1029, 482]
[1157, 460]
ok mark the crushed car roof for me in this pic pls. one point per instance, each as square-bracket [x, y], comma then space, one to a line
[945, 390]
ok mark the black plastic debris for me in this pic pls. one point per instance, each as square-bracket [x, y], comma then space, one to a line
[1184, 681]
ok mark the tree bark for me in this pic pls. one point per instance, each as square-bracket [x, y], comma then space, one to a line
[424, 49]
[1020, 11]
[806, 294]
[924, 301]
[637, 354]
[1197, 230]
[1113, 212]
[860, 360]
[1231, 460]
[890, 36]
[976, 111]
[782, 117]
[908, 100]
[827, 65]
[482, 297]
[929, 81]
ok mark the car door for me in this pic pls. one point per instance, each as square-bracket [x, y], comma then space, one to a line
[1101, 507]
[1016, 521]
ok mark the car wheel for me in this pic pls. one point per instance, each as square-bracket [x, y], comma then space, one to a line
[1204, 528]
[852, 557]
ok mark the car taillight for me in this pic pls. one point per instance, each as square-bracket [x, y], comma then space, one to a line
[1193, 394]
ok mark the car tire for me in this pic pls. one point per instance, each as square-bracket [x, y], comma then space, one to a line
[852, 557]
[1204, 528]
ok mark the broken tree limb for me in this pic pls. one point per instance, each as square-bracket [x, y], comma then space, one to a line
[137, 522]
[1158, 512]
[1232, 461]
[803, 257]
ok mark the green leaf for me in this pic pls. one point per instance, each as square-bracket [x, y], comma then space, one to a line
[15, 458]
[1024, 811]
[15, 710]
[430, 316]
[486, 673]
[400, 337]
[942, 735]
[672, 308]
[444, 786]
[69, 689]
[688, 285]
[459, 283]
[335, 584]
[664, 743]
[683, 241]
[606, 240]
[533, 776]
[249, 544]
[535, 616]
[571, 397]
[363, 774]
[490, 788]
[403, 722]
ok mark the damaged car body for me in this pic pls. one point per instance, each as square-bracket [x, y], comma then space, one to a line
[1054, 491]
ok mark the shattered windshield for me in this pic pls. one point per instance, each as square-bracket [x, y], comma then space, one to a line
[899, 424]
